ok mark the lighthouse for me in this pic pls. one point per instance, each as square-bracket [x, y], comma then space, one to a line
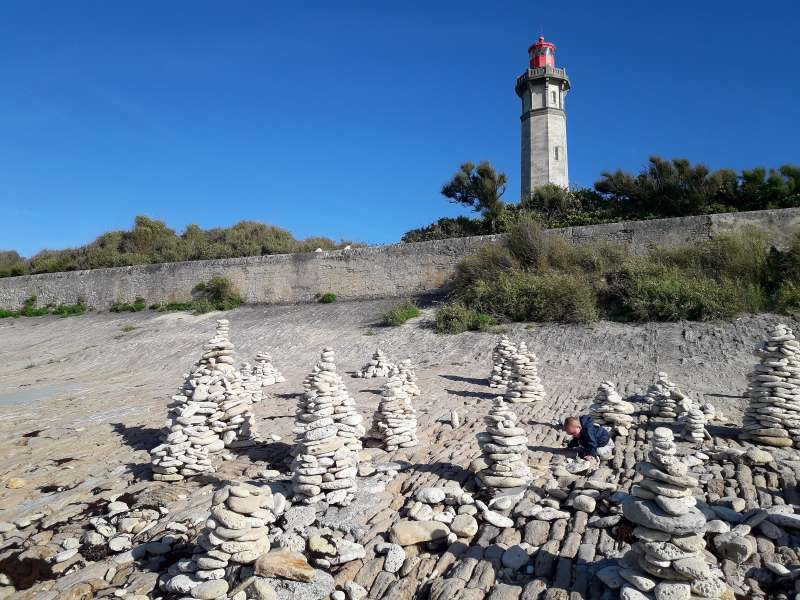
[543, 88]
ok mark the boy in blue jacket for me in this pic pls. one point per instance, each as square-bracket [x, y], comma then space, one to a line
[591, 441]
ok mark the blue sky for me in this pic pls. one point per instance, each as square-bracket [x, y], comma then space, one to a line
[345, 118]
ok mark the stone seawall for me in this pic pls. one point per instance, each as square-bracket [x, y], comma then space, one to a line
[396, 270]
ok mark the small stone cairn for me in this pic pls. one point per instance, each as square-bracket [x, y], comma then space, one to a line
[773, 413]
[693, 421]
[396, 419]
[502, 363]
[505, 449]
[329, 431]
[668, 559]
[266, 371]
[663, 398]
[525, 385]
[409, 376]
[250, 383]
[234, 421]
[610, 409]
[235, 534]
[189, 437]
[379, 366]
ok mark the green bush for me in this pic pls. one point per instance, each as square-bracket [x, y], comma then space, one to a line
[670, 294]
[327, 298]
[788, 298]
[400, 313]
[220, 293]
[29, 309]
[457, 318]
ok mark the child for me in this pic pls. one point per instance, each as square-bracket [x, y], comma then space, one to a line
[591, 440]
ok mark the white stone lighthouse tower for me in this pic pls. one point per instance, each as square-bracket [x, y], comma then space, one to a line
[543, 88]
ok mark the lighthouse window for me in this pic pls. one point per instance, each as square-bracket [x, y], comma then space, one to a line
[556, 149]
[553, 98]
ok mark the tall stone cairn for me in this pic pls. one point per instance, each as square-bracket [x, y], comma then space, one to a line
[188, 438]
[378, 366]
[525, 385]
[610, 409]
[329, 431]
[668, 559]
[265, 371]
[502, 363]
[396, 419]
[663, 398]
[505, 449]
[235, 534]
[773, 413]
[408, 374]
[234, 421]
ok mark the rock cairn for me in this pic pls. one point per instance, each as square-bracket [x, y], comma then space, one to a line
[329, 431]
[222, 383]
[668, 558]
[693, 421]
[266, 371]
[610, 409]
[250, 383]
[379, 366]
[235, 534]
[502, 363]
[195, 422]
[663, 398]
[505, 449]
[525, 385]
[409, 376]
[773, 413]
[396, 419]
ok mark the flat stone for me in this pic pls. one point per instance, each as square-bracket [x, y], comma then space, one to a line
[407, 533]
[431, 495]
[585, 503]
[464, 526]
[637, 579]
[210, 590]
[611, 577]
[515, 557]
[676, 506]
[628, 592]
[284, 564]
[648, 514]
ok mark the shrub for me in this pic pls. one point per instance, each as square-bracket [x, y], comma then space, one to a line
[484, 264]
[528, 241]
[29, 308]
[400, 313]
[457, 318]
[788, 298]
[70, 310]
[139, 304]
[545, 296]
[220, 293]
[670, 294]
[327, 298]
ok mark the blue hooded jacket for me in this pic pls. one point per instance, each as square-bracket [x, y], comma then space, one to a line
[591, 438]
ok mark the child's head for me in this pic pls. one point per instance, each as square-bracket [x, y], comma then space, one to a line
[572, 426]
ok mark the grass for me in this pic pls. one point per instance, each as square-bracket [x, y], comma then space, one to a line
[29, 309]
[127, 328]
[327, 298]
[400, 313]
[544, 278]
[139, 304]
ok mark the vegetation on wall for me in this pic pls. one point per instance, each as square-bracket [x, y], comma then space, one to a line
[541, 277]
[664, 188]
[29, 309]
[151, 241]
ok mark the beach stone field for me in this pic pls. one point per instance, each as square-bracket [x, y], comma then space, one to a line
[307, 452]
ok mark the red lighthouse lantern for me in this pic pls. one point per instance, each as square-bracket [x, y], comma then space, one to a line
[542, 54]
